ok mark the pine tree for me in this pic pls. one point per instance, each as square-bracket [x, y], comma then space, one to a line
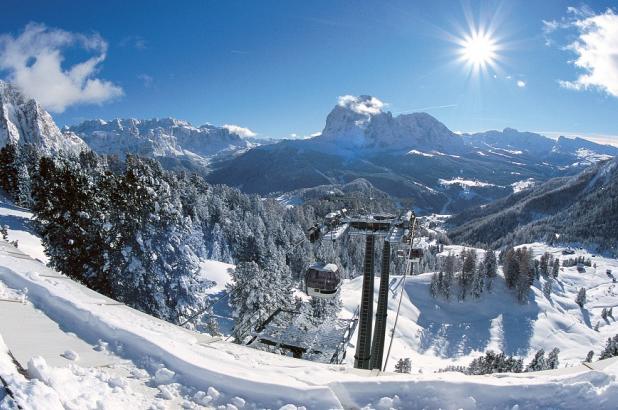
[544, 264]
[537, 363]
[581, 297]
[589, 357]
[403, 366]
[547, 287]
[555, 268]
[611, 348]
[490, 267]
[552, 359]
[8, 168]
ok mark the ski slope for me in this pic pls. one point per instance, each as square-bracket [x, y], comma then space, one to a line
[156, 364]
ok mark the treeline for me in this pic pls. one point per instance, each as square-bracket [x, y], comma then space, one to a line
[464, 276]
[493, 362]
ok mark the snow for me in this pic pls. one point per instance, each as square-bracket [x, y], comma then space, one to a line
[228, 375]
[423, 154]
[218, 272]
[464, 182]
[18, 221]
[127, 359]
[435, 333]
[523, 184]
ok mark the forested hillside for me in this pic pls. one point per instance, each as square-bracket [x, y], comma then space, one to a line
[570, 210]
[136, 232]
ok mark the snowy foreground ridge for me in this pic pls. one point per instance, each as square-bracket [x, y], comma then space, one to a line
[225, 374]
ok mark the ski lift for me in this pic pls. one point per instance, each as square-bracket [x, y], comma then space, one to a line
[322, 280]
[416, 254]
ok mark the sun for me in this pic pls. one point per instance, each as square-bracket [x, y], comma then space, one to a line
[478, 50]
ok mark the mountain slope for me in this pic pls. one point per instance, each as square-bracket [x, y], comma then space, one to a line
[24, 121]
[578, 209]
[411, 156]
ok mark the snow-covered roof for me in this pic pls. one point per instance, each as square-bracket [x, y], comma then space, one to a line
[324, 267]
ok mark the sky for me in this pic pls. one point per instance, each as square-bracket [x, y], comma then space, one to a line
[277, 68]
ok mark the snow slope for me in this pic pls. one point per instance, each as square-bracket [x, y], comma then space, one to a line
[265, 380]
[168, 365]
[435, 333]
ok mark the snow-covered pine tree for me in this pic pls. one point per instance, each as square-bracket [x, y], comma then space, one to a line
[8, 168]
[552, 361]
[555, 270]
[489, 267]
[611, 348]
[547, 287]
[467, 272]
[581, 297]
[538, 362]
[589, 357]
[525, 274]
[403, 366]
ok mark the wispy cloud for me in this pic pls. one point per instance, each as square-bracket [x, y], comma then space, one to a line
[146, 79]
[237, 129]
[33, 61]
[136, 42]
[595, 48]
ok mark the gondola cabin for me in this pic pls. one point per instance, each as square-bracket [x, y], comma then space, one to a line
[314, 233]
[322, 280]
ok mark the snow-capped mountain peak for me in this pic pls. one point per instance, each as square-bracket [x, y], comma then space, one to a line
[24, 121]
[361, 122]
[159, 137]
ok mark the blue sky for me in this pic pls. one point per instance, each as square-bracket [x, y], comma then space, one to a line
[279, 67]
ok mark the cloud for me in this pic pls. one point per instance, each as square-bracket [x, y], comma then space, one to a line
[146, 79]
[33, 61]
[242, 131]
[137, 42]
[521, 83]
[595, 48]
[364, 104]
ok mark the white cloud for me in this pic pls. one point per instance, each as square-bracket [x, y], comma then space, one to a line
[596, 48]
[242, 131]
[364, 104]
[33, 61]
[521, 83]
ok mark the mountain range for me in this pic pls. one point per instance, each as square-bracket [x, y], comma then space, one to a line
[412, 157]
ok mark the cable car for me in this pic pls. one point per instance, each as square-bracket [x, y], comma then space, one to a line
[322, 280]
[313, 233]
[416, 254]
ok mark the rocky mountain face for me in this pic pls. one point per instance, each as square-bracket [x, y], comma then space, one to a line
[166, 139]
[23, 121]
[579, 209]
[412, 156]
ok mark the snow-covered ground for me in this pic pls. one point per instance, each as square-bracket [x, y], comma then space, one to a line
[435, 333]
[153, 364]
